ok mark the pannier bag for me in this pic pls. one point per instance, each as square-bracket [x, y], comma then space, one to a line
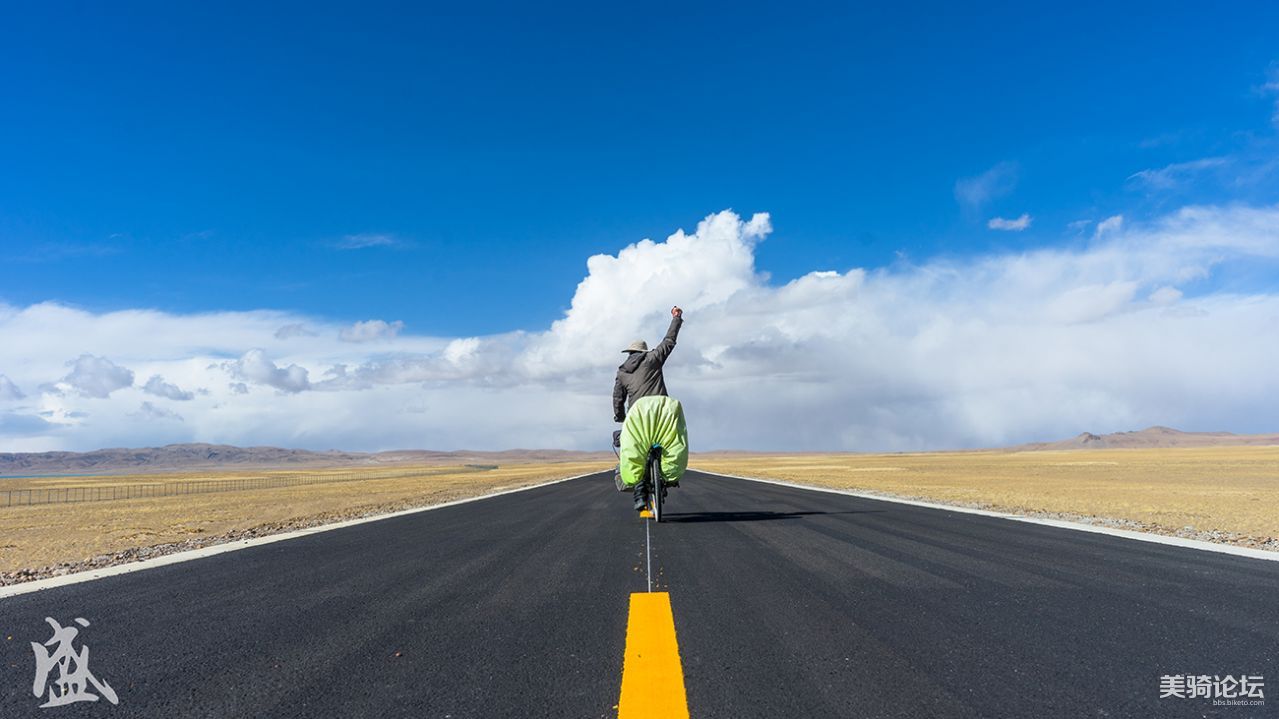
[654, 421]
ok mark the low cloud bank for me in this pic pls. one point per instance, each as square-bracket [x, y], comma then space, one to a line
[1146, 324]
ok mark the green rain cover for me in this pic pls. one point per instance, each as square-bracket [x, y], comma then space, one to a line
[654, 421]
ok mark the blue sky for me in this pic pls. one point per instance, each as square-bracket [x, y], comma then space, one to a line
[370, 227]
[497, 147]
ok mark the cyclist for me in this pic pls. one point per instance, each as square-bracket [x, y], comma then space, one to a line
[640, 375]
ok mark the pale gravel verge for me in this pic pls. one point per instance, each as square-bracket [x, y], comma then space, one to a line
[1202, 535]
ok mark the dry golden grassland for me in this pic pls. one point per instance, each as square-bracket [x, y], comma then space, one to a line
[77, 533]
[1217, 493]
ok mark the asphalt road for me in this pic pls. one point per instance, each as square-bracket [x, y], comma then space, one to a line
[787, 603]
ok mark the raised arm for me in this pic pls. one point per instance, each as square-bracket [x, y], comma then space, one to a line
[667, 345]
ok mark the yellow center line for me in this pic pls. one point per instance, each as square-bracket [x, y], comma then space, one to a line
[652, 676]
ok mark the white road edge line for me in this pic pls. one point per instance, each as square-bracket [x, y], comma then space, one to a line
[176, 557]
[1124, 533]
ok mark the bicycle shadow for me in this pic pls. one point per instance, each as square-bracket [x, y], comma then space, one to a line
[691, 517]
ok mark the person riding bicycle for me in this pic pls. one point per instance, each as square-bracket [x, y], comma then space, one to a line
[640, 376]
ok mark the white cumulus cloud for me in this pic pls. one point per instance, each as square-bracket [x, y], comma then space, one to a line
[96, 376]
[1117, 332]
[1016, 224]
[254, 367]
[158, 387]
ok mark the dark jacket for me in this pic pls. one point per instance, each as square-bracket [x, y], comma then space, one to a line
[641, 374]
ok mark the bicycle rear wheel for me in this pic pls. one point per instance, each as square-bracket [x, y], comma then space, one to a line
[655, 487]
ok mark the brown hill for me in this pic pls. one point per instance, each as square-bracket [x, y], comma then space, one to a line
[183, 457]
[211, 456]
[1151, 438]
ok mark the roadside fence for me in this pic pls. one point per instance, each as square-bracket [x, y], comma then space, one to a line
[135, 488]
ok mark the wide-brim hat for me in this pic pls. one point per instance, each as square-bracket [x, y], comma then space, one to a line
[636, 346]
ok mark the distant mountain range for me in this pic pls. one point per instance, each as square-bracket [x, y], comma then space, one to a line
[209, 456]
[1152, 437]
[221, 456]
